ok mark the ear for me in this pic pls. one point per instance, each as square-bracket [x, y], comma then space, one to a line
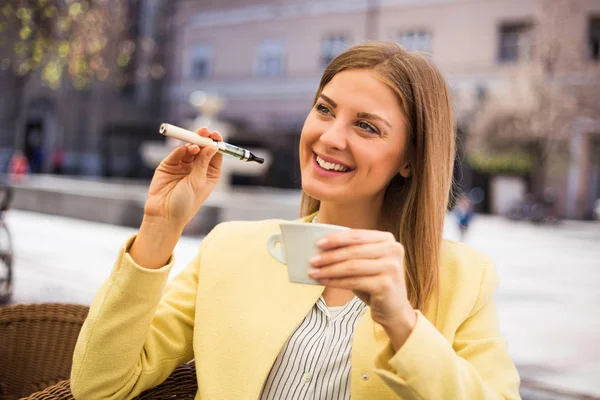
[405, 170]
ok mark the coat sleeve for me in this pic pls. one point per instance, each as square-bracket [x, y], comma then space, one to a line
[134, 337]
[476, 365]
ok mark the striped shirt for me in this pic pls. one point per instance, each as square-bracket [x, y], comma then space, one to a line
[315, 361]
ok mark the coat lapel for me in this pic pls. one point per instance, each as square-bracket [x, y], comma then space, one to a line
[283, 305]
[292, 302]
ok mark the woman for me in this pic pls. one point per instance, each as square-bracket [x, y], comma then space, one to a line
[400, 313]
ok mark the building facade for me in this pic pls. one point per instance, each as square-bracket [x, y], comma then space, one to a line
[266, 58]
[95, 131]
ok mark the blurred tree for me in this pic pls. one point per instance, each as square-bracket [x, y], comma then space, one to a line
[78, 42]
[518, 128]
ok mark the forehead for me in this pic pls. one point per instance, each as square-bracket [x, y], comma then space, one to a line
[361, 88]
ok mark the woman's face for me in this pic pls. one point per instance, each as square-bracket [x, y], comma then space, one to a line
[353, 141]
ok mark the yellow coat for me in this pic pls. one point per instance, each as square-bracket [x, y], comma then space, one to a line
[232, 309]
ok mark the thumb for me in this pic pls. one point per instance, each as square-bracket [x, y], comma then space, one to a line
[202, 162]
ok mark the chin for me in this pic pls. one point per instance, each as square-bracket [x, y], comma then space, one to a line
[324, 193]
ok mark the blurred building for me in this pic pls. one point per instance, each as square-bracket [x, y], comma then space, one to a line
[94, 131]
[266, 58]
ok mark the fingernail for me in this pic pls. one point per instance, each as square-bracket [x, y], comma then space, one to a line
[313, 271]
[314, 259]
[321, 242]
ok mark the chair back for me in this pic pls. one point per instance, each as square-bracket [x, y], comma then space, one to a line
[36, 345]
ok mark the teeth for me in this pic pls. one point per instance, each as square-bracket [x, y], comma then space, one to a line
[330, 166]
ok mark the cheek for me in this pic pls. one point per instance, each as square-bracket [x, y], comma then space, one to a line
[305, 150]
[383, 165]
[304, 143]
[308, 135]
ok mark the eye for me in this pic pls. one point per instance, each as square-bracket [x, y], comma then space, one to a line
[323, 109]
[367, 127]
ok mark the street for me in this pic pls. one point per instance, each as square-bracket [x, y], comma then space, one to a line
[548, 300]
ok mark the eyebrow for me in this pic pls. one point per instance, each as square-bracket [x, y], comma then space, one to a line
[373, 116]
[358, 115]
[327, 99]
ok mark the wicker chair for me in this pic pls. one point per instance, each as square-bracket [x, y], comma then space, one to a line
[36, 349]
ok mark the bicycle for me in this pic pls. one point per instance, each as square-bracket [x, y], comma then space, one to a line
[6, 248]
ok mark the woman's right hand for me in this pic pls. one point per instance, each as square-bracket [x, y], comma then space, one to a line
[182, 182]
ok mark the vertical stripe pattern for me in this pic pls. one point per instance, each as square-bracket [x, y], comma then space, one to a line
[315, 361]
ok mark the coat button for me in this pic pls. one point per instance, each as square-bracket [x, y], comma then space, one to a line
[365, 376]
[307, 377]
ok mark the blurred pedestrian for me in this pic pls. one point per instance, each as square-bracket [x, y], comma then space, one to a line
[18, 166]
[463, 212]
[549, 205]
[398, 312]
[57, 161]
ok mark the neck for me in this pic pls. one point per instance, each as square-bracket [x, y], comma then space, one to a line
[355, 216]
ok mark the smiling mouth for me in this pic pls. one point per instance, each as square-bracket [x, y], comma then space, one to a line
[329, 166]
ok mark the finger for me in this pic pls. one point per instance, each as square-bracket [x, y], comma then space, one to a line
[216, 136]
[203, 131]
[353, 237]
[191, 151]
[365, 284]
[201, 164]
[358, 251]
[175, 157]
[216, 162]
[349, 268]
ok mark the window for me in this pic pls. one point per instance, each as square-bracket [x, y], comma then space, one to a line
[594, 38]
[515, 42]
[201, 62]
[270, 58]
[415, 41]
[331, 47]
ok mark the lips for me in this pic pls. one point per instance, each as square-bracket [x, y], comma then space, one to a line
[331, 163]
[328, 170]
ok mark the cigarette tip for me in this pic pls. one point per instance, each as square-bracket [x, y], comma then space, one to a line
[163, 129]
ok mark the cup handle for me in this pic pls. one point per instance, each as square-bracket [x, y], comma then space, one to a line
[276, 252]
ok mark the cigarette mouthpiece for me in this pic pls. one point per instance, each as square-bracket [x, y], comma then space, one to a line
[256, 159]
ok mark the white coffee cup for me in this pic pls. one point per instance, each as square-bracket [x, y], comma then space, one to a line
[295, 245]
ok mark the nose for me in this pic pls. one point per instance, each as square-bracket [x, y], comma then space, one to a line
[335, 137]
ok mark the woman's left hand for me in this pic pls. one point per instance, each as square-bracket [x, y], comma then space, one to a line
[370, 263]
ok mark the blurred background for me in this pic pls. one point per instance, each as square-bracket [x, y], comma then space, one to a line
[85, 85]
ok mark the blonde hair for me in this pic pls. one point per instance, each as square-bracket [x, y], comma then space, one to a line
[413, 207]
